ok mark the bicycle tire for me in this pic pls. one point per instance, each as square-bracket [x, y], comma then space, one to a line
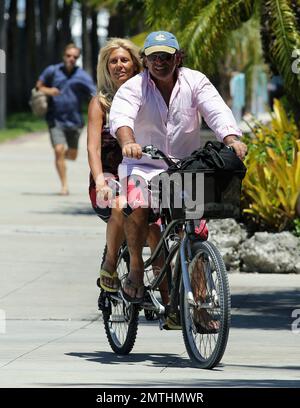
[206, 349]
[120, 320]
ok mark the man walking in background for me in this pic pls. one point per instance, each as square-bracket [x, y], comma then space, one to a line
[67, 86]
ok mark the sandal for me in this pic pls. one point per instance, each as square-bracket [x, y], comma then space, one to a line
[129, 284]
[111, 282]
[204, 322]
[172, 322]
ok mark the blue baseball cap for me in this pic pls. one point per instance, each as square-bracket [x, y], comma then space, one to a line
[160, 41]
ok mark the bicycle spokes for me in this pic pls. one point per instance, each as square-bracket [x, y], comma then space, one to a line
[206, 320]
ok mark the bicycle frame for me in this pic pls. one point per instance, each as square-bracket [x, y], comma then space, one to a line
[184, 247]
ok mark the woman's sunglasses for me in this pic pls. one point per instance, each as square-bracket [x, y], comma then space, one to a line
[162, 56]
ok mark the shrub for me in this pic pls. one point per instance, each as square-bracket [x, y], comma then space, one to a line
[272, 184]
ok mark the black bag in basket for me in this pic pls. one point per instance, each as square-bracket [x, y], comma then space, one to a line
[223, 173]
[214, 155]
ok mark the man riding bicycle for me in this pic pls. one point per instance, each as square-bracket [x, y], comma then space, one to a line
[161, 106]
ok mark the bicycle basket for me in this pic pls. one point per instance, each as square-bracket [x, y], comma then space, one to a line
[201, 193]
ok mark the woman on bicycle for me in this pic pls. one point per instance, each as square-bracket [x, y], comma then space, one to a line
[117, 62]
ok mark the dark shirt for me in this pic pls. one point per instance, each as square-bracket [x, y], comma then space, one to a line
[65, 109]
[111, 153]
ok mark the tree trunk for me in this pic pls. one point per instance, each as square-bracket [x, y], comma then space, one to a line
[64, 35]
[94, 43]
[31, 49]
[2, 66]
[44, 6]
[15, 70]
[116, 26]
[51, 33]
[86, 45]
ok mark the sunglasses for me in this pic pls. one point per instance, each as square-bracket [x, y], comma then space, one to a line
[72, 56]
[162, 56]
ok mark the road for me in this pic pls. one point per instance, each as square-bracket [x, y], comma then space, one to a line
[51, 333]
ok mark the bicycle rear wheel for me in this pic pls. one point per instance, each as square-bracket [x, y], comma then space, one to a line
[120, 319]
[206, 325]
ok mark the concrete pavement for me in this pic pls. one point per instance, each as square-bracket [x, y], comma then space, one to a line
[52, 335]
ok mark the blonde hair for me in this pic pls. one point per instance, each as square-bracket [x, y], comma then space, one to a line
[105, 85]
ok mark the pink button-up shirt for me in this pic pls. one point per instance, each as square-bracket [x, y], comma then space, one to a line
[139, 105]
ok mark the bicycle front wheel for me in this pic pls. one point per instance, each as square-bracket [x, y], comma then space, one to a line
[205, 323]
[120, 319]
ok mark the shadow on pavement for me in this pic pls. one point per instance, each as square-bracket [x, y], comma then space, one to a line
[75, 210]
[265, 310]
[156, 360]
[224, 383]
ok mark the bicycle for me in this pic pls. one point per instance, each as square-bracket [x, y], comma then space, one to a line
[198, 283]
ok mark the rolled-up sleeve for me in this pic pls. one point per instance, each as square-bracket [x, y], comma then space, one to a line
[125, 105]
[212, 107]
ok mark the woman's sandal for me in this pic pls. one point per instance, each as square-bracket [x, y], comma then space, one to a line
[205, 324]
[129, 284]
[109, 281]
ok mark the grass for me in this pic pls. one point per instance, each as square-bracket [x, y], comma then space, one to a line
[18, 124]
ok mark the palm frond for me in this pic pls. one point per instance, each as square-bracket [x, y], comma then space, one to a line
[172, 15]
[205, 35]
[284, 39]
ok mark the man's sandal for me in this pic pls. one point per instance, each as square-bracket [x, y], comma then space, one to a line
[109, 281]
[129, 284]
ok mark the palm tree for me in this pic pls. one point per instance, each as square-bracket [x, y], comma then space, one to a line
[203, 27]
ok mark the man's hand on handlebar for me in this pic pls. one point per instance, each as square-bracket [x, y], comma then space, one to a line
[240, 149]
[132, 150]
[234, 143]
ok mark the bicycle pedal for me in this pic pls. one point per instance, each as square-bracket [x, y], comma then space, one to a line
[104, 303]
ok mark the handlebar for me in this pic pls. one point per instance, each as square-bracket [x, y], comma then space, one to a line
[156, 154]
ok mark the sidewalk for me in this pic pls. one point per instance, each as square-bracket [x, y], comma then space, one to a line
[53, 336]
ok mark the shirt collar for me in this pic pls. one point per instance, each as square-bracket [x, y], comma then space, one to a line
[61, 66]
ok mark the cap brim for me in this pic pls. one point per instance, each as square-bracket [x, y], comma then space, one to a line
[159, 48]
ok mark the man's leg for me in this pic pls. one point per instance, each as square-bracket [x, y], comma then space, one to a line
[58, 140]
[59, 151]
[136, 231]
[71, 154]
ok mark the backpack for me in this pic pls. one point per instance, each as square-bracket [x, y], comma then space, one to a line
[38, 102]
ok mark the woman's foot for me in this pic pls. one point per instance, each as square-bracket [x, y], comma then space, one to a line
[109, 281]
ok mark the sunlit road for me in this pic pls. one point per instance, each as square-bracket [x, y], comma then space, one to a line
[51, 334]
